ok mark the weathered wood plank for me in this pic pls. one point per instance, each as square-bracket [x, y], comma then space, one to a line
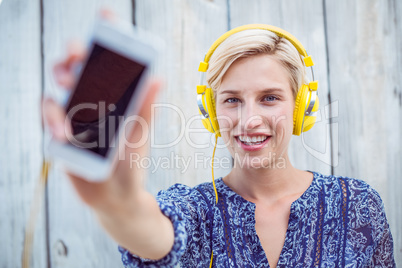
[364, 44]
[75, 237]
[393, 118]
[364, 41]
[188, 28]
[21, 131]
[304, 20]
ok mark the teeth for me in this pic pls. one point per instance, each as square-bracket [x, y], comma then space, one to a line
[254, 139]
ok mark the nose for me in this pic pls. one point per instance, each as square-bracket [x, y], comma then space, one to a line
[251, 118]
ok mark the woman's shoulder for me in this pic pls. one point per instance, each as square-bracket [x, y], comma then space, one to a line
[183, 189]
[330, 181]
[351, 189]
[187, 193]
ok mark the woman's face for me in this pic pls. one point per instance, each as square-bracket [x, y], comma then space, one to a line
[254, 107]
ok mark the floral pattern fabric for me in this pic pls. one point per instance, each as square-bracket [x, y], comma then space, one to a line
[336, 222]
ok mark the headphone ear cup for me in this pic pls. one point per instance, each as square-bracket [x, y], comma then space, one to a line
[210, 123]
[300, 107]
[310, 120]
[302, 123]
[206, 123]
[212, 111]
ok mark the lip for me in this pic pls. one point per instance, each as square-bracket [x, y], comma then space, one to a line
[252, 148]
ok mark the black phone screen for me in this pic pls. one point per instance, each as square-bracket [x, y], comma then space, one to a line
[100, 99]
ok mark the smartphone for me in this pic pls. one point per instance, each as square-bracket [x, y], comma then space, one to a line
[109, 89]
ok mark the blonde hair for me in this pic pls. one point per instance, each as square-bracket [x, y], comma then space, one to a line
[252, 42]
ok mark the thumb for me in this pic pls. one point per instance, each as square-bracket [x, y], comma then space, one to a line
[136, 128]
[145, 113]
[153, 90]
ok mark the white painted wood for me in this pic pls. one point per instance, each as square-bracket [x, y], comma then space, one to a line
[21, 134]
[188, 28]
[365, 63]
[75, 236]
[304, 20]
[364, 40]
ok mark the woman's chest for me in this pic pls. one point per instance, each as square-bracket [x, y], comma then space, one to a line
[255, 236]
[271, 226]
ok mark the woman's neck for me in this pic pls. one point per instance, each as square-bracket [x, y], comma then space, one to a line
[268, 184]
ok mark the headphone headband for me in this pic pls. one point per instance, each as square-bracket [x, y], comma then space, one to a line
[308, 61]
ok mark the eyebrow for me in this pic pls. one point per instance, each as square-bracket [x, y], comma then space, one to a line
[264, 91]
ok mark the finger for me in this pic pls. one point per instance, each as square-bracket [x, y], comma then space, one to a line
[55, 118]
[107, 14]
[76, 53]
[153, 86]
[145, 113]
[63, 76]
[136, 137]
[66, 70]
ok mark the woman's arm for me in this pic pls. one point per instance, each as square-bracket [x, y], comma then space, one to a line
[383, 255]
[142, 229]
[127, 212]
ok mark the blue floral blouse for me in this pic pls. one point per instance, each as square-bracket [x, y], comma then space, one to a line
[337, 222]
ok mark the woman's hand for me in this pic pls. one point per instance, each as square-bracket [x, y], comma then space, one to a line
[125, 181]
[128, 213]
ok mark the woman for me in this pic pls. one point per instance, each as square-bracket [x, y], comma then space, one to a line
[266, 212]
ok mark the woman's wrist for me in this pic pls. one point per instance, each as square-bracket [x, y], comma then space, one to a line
[140, 227]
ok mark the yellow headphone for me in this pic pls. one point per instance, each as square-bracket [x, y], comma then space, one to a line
[306, 103]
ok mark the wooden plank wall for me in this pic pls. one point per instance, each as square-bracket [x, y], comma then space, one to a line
[21, 131]
[357, 49]
[364, 54]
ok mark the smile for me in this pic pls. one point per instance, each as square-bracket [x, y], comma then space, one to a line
[252, 143]
[253, 140]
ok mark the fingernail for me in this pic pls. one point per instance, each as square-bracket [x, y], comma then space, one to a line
[58, 131]
[63, 78]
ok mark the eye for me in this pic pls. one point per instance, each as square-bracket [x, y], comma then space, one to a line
[270, 98]
[232, 100]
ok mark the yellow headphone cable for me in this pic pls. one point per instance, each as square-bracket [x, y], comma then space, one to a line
[216, 192]
[34, 212]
